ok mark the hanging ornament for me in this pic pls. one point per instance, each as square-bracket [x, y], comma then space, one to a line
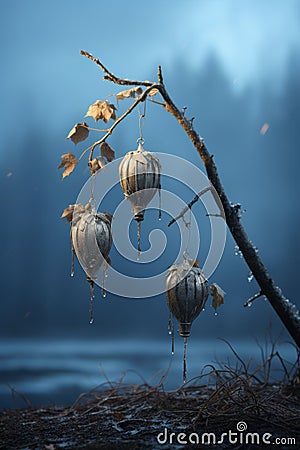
[91, 241]
[140, 179]
[186, 292]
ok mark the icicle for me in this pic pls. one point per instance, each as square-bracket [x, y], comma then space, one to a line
[171, 331]
[72, 265]
[91, 300]
[184, 359]
[159, 203]
[104, 275]
[139, 239]
[250, 276]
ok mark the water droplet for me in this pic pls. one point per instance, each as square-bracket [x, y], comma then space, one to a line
[237, 251]
[250, 276]
[103, 294]
[249, 304]
[91, 321]
[216, 313]
[172, 352]
[159, 218]
[72, 274]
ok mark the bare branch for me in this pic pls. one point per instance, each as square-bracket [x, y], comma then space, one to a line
[189, 205]
[159, 75]
[111, 77]
[252, 299]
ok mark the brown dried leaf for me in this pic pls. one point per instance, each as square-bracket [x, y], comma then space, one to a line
[108, 111]
[153, 92]
[107, 151]
[102, 110]
[68, 162]
[217, 296]
[133, 92]
[68, 213]
[79, 132]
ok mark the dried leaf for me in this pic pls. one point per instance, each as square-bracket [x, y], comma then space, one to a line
[68, 162]
[79, 132]
[133, 92]
[217, 296]
[102, 110]
[68, 213]
[107, 151]
[108, 111]
[153, 92]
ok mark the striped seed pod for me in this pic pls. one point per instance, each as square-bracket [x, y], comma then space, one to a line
[91, 238]
[140, 178]
[186, 292]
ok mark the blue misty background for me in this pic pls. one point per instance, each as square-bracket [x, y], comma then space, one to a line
[236, 66]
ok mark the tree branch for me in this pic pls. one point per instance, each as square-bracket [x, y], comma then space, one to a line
[286, 311]
[189, 205]
[111, 77]
[252, 299]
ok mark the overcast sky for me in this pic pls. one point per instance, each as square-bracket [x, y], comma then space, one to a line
[43, 75]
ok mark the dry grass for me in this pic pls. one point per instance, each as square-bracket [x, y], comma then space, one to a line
[117, 415]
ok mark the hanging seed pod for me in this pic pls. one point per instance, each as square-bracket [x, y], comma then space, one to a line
[91, 242]
[90, 233]
[140, 178]
[186, 292]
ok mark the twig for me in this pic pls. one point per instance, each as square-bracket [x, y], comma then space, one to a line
[252, 299]
[111, 77]
[189, 205]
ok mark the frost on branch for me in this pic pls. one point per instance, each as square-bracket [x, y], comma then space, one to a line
[102, 110]
[79, 132]
[68, 162]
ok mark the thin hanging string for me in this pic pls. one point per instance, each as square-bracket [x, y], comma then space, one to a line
[92, 200]
[159, 202]
[142, 116]
[104, 275]
[73, 263]
[184, 359]
[171, 331]
[139, 239]
[92, 296]
[188, 228]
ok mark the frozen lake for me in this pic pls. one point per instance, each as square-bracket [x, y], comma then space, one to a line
[57, 371]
